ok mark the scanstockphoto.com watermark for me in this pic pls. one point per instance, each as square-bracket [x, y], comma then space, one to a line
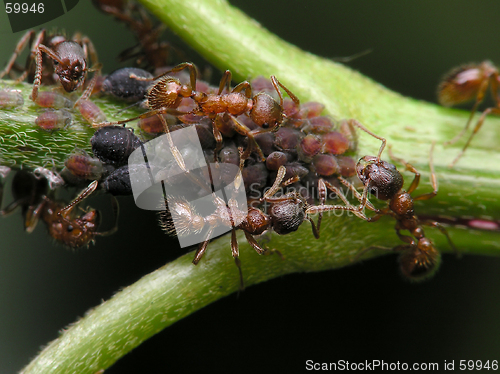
[373, 365]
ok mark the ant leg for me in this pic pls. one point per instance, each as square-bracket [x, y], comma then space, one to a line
[38, 72]
[357, 195]
[251, 240]
[225, 81]
[411, 168]
[275, 83]
[430, 195]
[356, 211]
[19, 48]
[116, 213]
[276, 185]
[383, 140]
[236, 253]
[63, 212]
[244, 86]
[445, 233]
[479, 98]
[203, 247]
[476, 129]
[245, 131]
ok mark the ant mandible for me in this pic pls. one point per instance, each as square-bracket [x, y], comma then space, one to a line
[166, 94]
[69, 59]
[419, 258]
[467, 83]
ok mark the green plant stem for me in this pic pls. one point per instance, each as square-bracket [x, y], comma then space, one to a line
[230, 40]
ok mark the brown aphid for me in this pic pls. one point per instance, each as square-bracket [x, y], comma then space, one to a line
[325, 165]
[49, 99]
[52, 120]
[419, 259]
[82, 166]
[309, 147]
[468, 83]
[10, 99]
[90, 111]
[335, 143]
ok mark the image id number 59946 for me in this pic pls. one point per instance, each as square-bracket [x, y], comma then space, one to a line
[24, 8]
[478, 365]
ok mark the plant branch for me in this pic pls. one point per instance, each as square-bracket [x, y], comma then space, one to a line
[230, 40]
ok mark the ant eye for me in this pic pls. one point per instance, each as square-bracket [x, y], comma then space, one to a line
[265, 126]
[56, 62]
[70, 228]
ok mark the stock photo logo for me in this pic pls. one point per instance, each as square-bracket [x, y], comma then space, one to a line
[181, 182]
[28, 14]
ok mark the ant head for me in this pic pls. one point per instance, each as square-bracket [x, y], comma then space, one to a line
[382, 178]
[166, 93]
[77, 232]
[420, 261]
[266, 112]
[287, 215]
[463, 84]
[71, 65]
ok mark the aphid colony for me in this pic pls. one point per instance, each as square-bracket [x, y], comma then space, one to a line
[291, 158]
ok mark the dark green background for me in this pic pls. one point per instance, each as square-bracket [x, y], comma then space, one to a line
[362, 312]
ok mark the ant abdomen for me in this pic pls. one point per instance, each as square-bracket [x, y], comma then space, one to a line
[421, 262]
[266, 112]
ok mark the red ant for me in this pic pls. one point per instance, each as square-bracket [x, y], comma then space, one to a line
[419, 258]
[62, 222]
[69, 59]
[285, 214]
[467, 83]
[166, 94]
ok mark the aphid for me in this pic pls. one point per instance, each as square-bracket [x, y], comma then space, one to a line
[467, 83]
[119, 84]
[49, 99]
[52, 120]
[11, 99]
[419, 259]
[89, 111]
[166, 94]
[82, 166]
[63, 224]
[114, 144]
[69, 59]
[285, 215]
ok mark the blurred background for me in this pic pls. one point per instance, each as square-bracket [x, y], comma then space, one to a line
[358, 313]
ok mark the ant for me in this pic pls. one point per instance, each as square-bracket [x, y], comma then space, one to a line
[467, 83]
[166, 94]
[69, 59]
[63, 224]
[419, 258]
[285, 214]
[149, 51]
